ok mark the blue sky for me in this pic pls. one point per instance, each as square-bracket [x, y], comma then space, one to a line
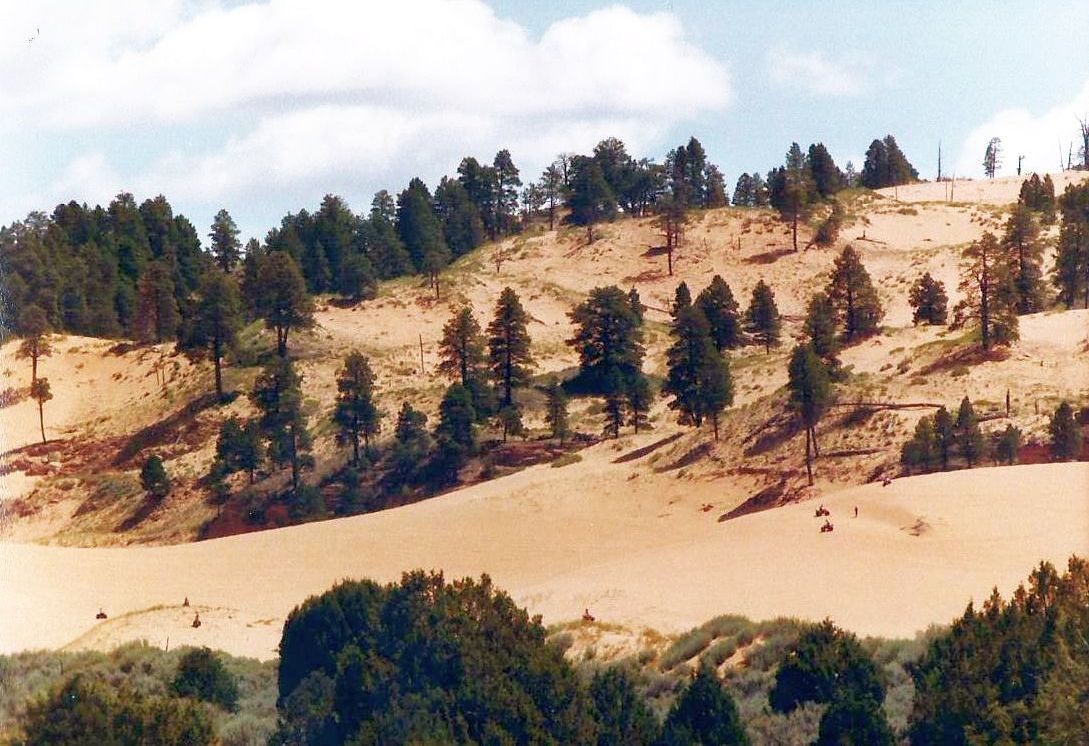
[263, 107]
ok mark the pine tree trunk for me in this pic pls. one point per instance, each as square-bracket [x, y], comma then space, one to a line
[294, 461]
[795, 221]
[808, 459]
[33, 369]
[816, 448]
[281, 342]
[714, 423]
[216, 355]
[41, 420]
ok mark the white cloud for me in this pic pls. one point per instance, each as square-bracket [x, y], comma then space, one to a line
[1043, 139]
[289, 92]
[812, 72]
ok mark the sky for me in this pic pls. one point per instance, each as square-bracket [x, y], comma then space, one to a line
[262, 108]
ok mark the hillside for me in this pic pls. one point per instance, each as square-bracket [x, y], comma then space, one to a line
[631, 530]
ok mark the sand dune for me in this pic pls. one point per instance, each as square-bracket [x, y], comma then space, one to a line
[558, 550]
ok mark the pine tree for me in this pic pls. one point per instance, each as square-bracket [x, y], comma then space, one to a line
[810, 395]
[992, 157]
[854, 297]
[826, 177]
[455, 434]
[482, 185]
[607, 338]
[615, 404]
[589, 198]
[929, 301]
[820, 328]
[990, 295]
[682, 299]
[33, 327]
[357, 280]
[944, 435]
[238, 447]
[551, 184]
[620, 711]
[411, 443]
[461, 350]
[217, 320]
[154, 479]
[762, 318]
[277, 395]
[509, 353]
[791, 189]
[421, 232]
[722, 314]
[556, 411]
[968, 437]
[380, 241]
[1025, 249]
[462, 227]
[704, 713]
[41, 393]
[506, 193]
[226, 248]
[744, 191]
[1007, 443]
[510, 421]
[283, 303]
[638, 400]
[921, 450]
[698, 378]
[637, 306]
[1072, 254]
[157, 316]
[672, 216]
[355, 413]
[1066, 438]
[829, 229]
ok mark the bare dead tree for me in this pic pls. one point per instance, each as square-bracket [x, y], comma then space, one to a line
[1084, 125]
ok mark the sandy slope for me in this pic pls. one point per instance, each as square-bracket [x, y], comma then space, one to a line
[558, 551]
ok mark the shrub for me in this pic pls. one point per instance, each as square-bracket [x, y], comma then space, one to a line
[704, 714]
[826, 664]
[201, 675]
[154, 479]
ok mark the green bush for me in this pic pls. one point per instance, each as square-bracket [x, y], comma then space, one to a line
[201, 675]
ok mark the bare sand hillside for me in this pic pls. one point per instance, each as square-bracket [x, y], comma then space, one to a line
[920, 549]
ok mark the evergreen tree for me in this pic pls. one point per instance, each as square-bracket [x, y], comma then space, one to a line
[482, 185]
[556, 411]
[551, 184]
[455, 435]
[714, 187]
[929, 301]
[672, 216]
[944, 435]
[791, 189]
[277, 395]
[615, 403]
[248, 286]
[357, 280]
[202, 675]
[218, 319]
[1022, 242]
[157, 316]
[1072, 253]
[421, 231]
[637, 306]
[506, 193]
[380, 241]
[238, 447]
[762, 318]
[1039, 196]
[1065, 432]
[1006, 445]
[34, 328]
[698, 377]
[283, 303]
[825, 175]
[154, 479]
[829, 229]
[622, 715]
[41, 393]
[607, 338]
[722, 314]
[886, 165]
[510, 421]
[461, 350]
[336, 230]
[704, 713]
[921, 450]
[854, 297]
[509, 352]
[226, 248]
[638, 400]
[745, 191]
[810, 395]
[355, 413]
[682, 299]
[820, 328]
[967, 435]
[411, 443]
[992, 157]
[589, 198]
[855, 722]
[462, 227]
[990, 294]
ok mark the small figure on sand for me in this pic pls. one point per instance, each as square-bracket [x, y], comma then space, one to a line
[886, 481]
[186, 601]
[196, 620]
[821, 512]
[827, 527]
[856, 511]
[101, 614]
[587, 616]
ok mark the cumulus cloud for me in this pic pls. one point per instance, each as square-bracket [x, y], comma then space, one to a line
[286, 93]
[812, 72]
[1044, 139]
